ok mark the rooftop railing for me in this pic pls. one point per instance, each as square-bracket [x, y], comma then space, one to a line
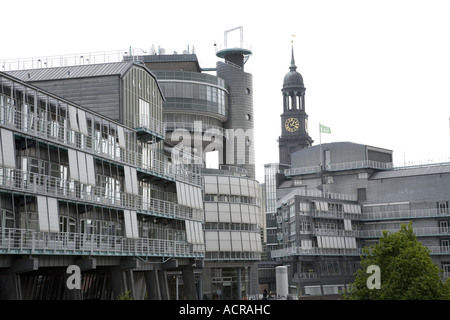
[76, 59]
[351, 165]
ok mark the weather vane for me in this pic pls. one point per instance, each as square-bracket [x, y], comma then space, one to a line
[292, 40]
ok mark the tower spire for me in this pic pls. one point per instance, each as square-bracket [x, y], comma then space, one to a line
[292, 67]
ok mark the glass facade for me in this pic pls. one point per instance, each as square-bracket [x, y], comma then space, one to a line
[194, 91]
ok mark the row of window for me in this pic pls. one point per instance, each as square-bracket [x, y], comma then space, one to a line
[230, 198]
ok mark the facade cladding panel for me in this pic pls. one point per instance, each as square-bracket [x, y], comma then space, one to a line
[415, 188]
[347, 183]
[100, 94]
[240, 86]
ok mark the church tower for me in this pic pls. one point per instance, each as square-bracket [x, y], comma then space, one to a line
[294, 120]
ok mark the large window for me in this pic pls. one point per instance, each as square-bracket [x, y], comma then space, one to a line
[196, 96]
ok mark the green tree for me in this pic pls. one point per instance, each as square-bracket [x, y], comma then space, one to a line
[406, 270]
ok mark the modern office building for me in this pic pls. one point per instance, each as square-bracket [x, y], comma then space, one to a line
[212, 114]
[325, 202]
[86, 181]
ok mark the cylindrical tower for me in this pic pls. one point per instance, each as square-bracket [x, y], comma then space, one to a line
[239, 143]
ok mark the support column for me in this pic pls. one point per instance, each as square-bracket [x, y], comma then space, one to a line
[163, 285]
[239, 284]
[190, 290]
[152, 284]
[122, 278]
[10, 278]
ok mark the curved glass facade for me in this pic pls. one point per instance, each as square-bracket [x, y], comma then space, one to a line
[196, 92]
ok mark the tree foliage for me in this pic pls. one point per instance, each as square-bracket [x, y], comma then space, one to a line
[406, 269]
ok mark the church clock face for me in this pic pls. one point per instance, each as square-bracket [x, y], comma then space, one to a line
[292, 124]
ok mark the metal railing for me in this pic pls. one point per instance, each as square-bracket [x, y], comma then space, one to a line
[359, 165]
[315, 194]
[419, 232]
[52, 131]
[76, 59]
[296, 251]
[149, 124]
[340, 166]
[403, 214]
[21, 241]
[340, 233]
[28, 182]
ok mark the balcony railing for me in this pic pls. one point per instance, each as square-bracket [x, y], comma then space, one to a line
[20, 241]
[338, 233]
[419, 232]
[299, 251]
[28, 182]
[404, 214]
[52, 131]
[149, 125]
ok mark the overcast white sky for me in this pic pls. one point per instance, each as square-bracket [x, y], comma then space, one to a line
[376, 72]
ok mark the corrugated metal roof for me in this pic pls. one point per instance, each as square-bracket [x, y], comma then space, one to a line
[71, 72]
[84, 71]
[412, 171]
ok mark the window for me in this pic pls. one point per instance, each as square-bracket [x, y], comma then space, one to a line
[66, 224]
[443, 226]
[442, 207]
[445, 245]
[363, 175]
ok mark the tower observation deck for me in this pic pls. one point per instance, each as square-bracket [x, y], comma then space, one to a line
[235, 52]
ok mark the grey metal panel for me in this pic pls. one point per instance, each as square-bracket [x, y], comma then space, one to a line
[415, 189]
[73, 164]
[134, 181]
[73, 118]
[99, 94]
[128, 179]
[128, 224]
[53, 218]
[8, 148]
[90, 169]
[43, 213]
[131, 227]
[407, 172]
[82, 122]
[82, 169]
[121, 135]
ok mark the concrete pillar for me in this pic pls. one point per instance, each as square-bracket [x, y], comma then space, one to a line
[163, 285]
[11, 282]
[10, 277]
[239, 283]
[190, 290]
[152, 285]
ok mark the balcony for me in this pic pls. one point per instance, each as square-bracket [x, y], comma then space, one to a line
[20, 241]
[419, 232]
[33, 183]
[338, 233]
[107, 149]
[404, 214]
[299, 251]
[148, 127]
